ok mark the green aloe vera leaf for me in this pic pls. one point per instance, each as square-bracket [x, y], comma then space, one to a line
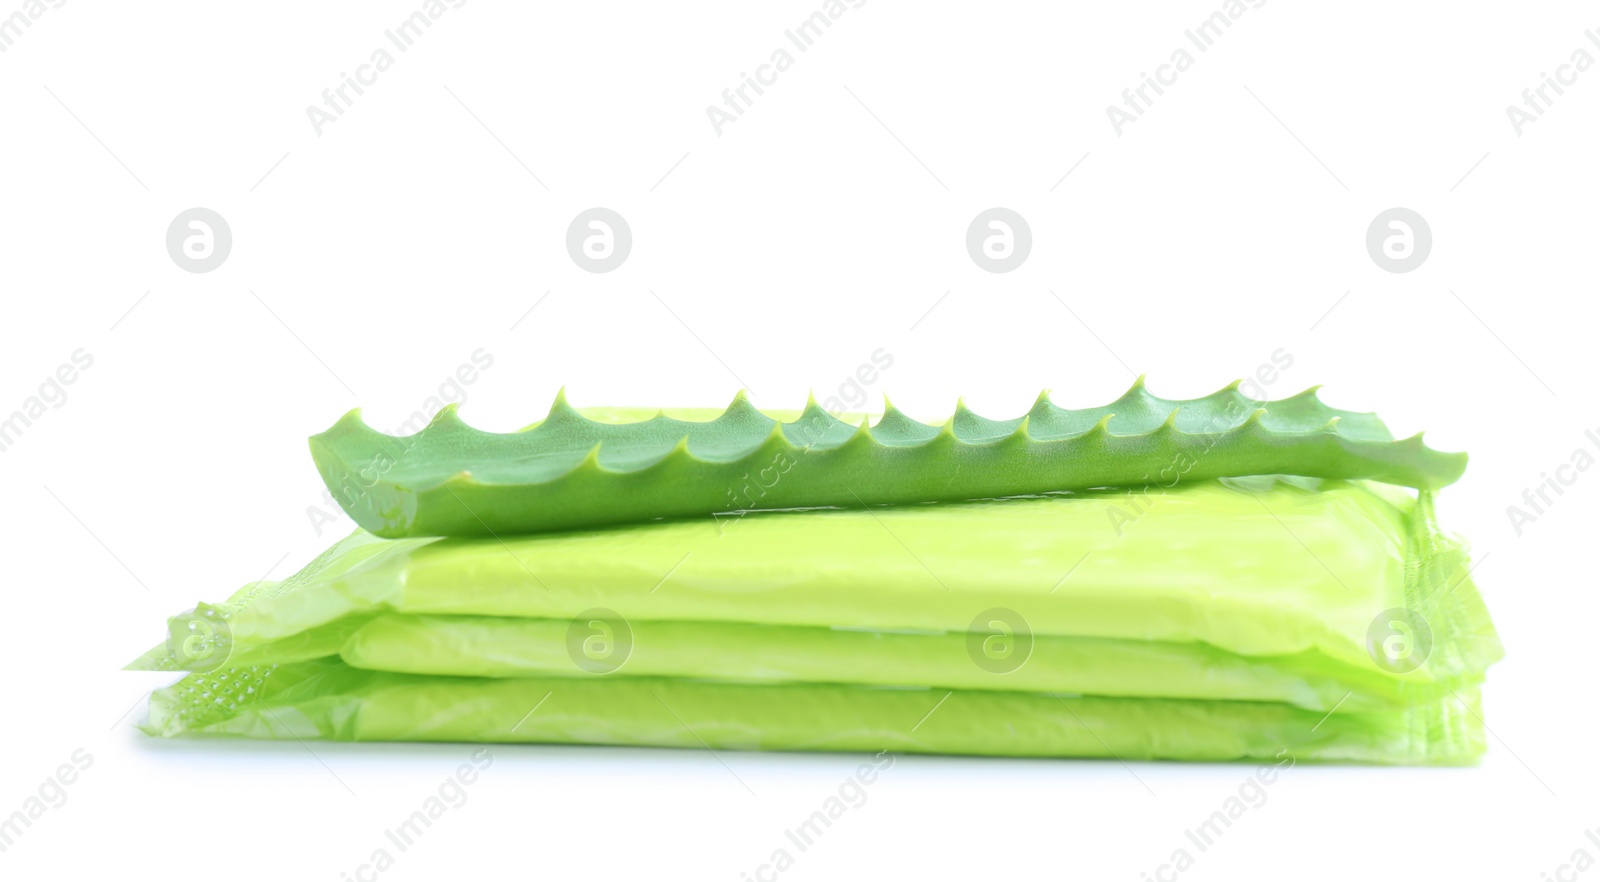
[569, 471]
[486, 646]
[1253, 567]
[331, 700]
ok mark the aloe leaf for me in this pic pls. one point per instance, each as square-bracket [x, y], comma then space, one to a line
[569, 471]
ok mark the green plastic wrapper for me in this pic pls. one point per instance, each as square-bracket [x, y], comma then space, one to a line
[1253, 567]
[330, 700]
[999, 658]
[1257, 600]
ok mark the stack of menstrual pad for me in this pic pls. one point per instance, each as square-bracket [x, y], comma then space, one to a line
[1209, 579]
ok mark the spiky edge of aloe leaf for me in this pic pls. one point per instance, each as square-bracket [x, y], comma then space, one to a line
[569, 471]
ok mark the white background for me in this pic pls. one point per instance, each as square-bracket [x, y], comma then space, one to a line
[371, 260]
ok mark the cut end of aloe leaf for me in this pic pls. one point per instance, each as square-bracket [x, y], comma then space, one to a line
[570, 471]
